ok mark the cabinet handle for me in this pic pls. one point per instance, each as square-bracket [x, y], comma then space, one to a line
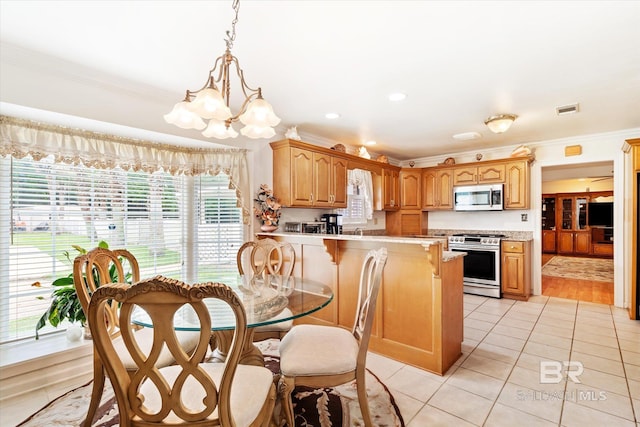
[311, 198]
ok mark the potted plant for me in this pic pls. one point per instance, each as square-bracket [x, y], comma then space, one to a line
[267, 208]
[65, 304]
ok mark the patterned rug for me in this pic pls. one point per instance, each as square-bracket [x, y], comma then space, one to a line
[596, 269]
[324, 407]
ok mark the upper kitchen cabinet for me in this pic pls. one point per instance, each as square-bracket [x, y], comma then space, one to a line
[410, 184]
[483, 174]
[391, 188]
[437, 189]
[517, 184]
[308, 176]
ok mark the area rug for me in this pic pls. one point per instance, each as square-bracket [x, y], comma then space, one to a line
[324, 407]
[596, 269]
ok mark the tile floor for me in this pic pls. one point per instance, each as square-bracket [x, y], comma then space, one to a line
[497, 380]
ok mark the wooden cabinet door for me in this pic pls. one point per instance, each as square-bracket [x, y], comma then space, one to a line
[549, 241]
[517, 185]
[321, 180]
[582, 244]
[429, 189]
[445, 193]
[391, 189]
[513, 273]
[301, 177]
[410, 181]
[491, 174]
[339, 183]
[465, 176]
[565, 242]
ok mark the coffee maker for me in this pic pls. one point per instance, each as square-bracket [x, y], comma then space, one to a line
[333, 223]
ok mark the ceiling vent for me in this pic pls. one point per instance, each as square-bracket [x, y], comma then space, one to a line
[567, 109]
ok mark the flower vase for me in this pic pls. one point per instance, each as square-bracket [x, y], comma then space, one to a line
[268, 228]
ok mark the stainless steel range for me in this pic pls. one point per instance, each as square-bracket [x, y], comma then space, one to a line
[482, 263]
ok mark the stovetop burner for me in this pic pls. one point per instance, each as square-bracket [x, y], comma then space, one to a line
[471, 239]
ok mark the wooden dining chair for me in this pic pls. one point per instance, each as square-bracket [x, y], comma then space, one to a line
[277, 258]
[188, 392]
[327, 356]
[99, 267]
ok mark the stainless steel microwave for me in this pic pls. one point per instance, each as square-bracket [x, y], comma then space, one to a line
[478, 197]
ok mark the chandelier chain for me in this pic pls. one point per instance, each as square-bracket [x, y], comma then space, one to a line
[231, 35]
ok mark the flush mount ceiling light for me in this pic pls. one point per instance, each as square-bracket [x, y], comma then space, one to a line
[212, 102]
[332, 116]
[500, 123]
[397, 96]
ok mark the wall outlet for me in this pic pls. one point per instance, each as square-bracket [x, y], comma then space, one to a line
[524, 217]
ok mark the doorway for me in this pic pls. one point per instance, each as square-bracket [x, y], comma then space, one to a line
[577, 232]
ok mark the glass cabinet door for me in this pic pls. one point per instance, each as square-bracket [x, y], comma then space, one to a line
[581, 213]
[548, 213]
[567, 214]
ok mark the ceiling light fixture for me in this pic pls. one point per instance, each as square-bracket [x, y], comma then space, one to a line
[211, 102]
[397, 96]
[500, 123]
[332, 116]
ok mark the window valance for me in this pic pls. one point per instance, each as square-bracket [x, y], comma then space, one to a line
[20, 138]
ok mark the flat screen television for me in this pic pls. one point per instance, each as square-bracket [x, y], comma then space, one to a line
[600, 214]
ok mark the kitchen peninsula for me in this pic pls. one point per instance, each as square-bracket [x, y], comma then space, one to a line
[419, 313]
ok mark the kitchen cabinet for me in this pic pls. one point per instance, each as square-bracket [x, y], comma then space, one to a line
[484, 174]
[516, 269]
[574, 238]
[516, 188]
[437, 189]
[410, 189]
[406, 222]
[391, 188]
[308, 177]
[548, 223]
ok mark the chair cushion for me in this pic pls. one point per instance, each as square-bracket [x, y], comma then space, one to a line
[187, 339]
[251, 386]
[280, 326]
[309, 350]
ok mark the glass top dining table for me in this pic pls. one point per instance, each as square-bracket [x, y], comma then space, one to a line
[266, 299]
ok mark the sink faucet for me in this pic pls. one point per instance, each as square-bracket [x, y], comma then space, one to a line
[358, 231]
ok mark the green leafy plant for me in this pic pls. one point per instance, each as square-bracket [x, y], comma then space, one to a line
[65, 304]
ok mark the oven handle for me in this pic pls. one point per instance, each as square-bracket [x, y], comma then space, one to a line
[474, 248]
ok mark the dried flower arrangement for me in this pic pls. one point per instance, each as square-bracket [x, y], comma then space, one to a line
[267, 208]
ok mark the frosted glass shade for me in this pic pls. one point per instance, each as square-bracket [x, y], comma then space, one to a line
[258, 131]
[218, 129]
[259, 113]
[209, 104]
[184, 118]
[500, 123]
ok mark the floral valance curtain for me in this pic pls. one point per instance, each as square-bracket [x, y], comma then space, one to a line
[21, 138]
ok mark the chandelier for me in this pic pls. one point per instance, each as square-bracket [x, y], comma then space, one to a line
[211, 101]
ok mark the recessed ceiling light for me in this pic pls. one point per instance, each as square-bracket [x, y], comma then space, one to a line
[370, 143]
[397, 96]
[332, 116]
[467, 136]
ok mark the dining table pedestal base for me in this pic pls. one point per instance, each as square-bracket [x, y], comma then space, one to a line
[251, 355]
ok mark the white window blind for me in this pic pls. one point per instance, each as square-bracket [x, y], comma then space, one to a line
[52, 207]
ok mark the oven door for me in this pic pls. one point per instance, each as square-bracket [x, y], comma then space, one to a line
[481, 269]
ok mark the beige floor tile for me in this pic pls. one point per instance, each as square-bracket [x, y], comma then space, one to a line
[530, 379]
[598, 363]
[552, 315]
[528, 326]
[594, 307]
[634, 390]
[591, 329]
[524, 317]
[478, 324]
[536, 299]
[476, 383]
[492, 309]
[604, 381]
[552, 340]
[556, 323]
[407, 405]
[466, 312]
[504, 341]
[463, 404]
[414, 383]
[632, 371]
[575, 415]
[493, 368]
[596, 350]
[628, 325]
[630, 357]
[628, 335]
[474, 334]
[510, 331]
[486, 317]
[532, 402]
[532, 361]
[382, 366]
[583, 335]
[434, 417]
[594, 319]
[553, 353]
[523, 307]
[495, 352]
[552, 329]
[630, 345]
[636, 409]
[504, 416]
